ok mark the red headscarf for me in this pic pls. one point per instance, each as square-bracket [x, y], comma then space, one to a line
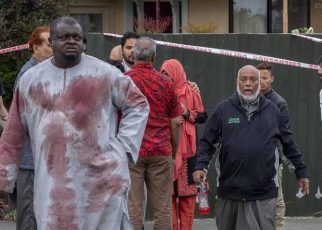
[189, 99]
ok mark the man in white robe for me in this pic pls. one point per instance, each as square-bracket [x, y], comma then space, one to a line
[67, 106]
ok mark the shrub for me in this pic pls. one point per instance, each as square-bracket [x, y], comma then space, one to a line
[149, 25]
[201, 27]
[303, 30]
[17, 20]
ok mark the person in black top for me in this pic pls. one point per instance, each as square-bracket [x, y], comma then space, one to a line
[266, 90]
[248, 126]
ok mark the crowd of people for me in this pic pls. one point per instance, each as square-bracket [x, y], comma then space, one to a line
[87, 142]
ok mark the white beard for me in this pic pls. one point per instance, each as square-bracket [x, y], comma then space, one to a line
[249, 98]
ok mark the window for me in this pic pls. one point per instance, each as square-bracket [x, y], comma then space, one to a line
[171, 16]
[262, 16]
[249, 16]
[90, 22]
[277, 17]
[165, 13]
[298, 14]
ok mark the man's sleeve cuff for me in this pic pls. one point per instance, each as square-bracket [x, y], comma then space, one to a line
[301, 173]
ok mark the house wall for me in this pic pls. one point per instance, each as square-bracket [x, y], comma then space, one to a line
[118, 15]
[316, 13]
[210, 11]
[108, 8]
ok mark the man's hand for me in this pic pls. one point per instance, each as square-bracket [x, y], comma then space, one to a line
[199, 176]
[194, 86]
[304, 184]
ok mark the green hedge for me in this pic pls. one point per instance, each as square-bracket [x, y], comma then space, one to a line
[17, 20]
[10, 65]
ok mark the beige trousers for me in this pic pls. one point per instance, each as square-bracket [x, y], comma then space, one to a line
[156, 172]
[280, 205]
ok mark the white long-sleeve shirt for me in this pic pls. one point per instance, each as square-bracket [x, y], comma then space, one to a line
[81, 153]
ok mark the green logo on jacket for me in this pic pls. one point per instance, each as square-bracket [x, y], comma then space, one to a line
[233, 120]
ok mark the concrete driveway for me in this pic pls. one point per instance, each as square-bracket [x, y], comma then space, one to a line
[300, 223]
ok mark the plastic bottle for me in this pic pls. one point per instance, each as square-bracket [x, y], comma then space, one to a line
[202, 197]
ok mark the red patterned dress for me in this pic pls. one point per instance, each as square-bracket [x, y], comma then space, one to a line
[184, 197]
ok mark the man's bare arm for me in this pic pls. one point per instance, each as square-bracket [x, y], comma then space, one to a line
[175, 126]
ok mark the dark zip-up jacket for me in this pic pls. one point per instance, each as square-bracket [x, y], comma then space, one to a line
[281, 104]
[248, 159]
[27, 161]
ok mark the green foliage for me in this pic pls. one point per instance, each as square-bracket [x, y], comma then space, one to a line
[17, 20]
[10, 216]
[9, 81]
[7, 211]
[150, 25]
[303, 30]
[202, 27]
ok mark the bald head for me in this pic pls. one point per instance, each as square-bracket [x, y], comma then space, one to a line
[144, 50]
[116, 53]
[248, 80]
[249, 69]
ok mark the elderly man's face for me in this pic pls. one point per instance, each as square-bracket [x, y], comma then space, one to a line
[320, 71]
[248, 83]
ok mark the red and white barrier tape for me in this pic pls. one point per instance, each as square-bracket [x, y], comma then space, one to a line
[318, 40]
[223, 52]
[14, 48]
[231, 53]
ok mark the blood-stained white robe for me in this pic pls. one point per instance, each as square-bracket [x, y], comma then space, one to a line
[81, 151]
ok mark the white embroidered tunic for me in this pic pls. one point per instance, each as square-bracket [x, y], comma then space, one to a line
[80, 150]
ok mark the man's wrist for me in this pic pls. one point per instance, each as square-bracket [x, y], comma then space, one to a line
[201, 169]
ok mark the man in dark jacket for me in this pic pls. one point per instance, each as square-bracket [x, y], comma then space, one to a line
[41, 50]
[320, 74]
[266, 80]
[248, 126]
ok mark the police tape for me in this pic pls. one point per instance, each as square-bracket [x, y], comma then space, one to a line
[14, 48]
[237, 54]
[223, 52]
[318, 40]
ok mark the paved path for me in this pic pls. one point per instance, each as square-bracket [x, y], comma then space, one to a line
[291, 224]
[4, 225]
[209, 224]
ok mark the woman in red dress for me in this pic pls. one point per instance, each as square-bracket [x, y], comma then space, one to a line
[184, 195]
